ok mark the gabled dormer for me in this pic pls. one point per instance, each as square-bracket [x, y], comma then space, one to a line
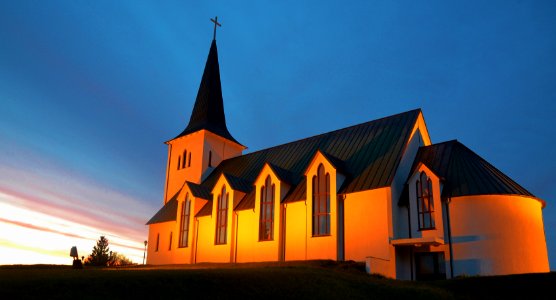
[271, 186]
[325, 175]
[206, 141]
[425, 206]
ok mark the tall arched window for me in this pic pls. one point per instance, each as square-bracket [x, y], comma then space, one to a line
[425, 207]
[266, 221]
[179, 162]
[183, 163]
[189, 160]
[221, 217]
[184, 221]
[321, 202]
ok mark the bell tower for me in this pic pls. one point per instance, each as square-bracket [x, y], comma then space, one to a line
[206, 141]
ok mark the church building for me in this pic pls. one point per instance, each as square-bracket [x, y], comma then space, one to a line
[379, 192]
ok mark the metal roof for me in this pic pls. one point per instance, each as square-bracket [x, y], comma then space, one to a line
[369, 154]
[238, 184]
[199, 191]
[464, 173]
[247, 202]
[168, 212]
[206, 210]
[208, 112]
[284, 175]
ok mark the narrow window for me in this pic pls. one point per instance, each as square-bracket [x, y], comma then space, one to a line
[170, 243]
[189, 160]
[321, 202]
[266, 223]
[183, 163]
[221, 217]
[184, 221]
[425, 207]
[210, 159]
[179, 162]
[157, 242]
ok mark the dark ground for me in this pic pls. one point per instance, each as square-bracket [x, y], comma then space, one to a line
[308, 280]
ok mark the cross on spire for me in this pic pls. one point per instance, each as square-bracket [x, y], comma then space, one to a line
[215, 21]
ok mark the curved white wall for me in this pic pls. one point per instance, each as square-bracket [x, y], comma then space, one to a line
[497, 234]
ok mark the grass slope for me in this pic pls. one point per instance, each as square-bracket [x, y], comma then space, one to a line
[320, 280]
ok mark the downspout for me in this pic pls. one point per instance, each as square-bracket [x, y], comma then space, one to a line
[410, 236]
[306, 234]
[448, 200]
[196, 239]
[284, 218]
[237, 233]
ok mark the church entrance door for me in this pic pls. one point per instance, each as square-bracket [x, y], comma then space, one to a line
[430, 266]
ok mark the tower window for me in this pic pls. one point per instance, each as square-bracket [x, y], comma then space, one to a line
[189, 160]
[179, 162]
[183, 163]
[221, 217]
[266, 221]
[425, 207]
[321, 202]
[210, 159]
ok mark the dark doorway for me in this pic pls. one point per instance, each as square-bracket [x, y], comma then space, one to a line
[430, 266]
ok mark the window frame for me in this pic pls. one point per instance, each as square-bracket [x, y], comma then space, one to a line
[266, 205]
[184, 222]
[184, 161]
[222, 217]
[321, 203]
[210, 159]
[425, 203]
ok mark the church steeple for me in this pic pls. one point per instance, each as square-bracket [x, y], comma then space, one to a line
[208, 112]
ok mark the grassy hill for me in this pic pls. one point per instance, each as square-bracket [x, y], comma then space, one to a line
[317, 279]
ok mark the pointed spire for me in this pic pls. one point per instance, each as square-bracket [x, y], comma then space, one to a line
[208, 112]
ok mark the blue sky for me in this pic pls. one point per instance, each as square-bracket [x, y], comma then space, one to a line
[90, 90]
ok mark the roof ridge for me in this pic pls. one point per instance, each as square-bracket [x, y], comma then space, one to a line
[329, 132]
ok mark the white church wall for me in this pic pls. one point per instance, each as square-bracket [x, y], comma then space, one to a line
[399, 214]
[497, 234]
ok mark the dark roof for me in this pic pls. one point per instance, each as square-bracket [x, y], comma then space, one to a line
[206, 210]
[199, 191]
[298, 193]
[208, 112]
[238, 184]
[465, 173]
[168, 212]
[284, 175]
[338, 164]
[369, 154]
[247, 202]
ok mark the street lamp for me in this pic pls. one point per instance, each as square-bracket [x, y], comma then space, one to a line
[144, 252]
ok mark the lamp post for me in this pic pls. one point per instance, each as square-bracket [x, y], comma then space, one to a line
[144, 252]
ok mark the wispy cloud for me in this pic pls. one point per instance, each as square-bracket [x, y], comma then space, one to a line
[48, 210]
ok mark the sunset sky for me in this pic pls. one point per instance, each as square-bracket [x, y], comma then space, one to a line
[90, 90]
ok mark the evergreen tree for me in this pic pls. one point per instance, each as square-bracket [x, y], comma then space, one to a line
[100, 255]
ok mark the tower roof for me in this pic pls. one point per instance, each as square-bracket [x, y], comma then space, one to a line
[208, 112]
